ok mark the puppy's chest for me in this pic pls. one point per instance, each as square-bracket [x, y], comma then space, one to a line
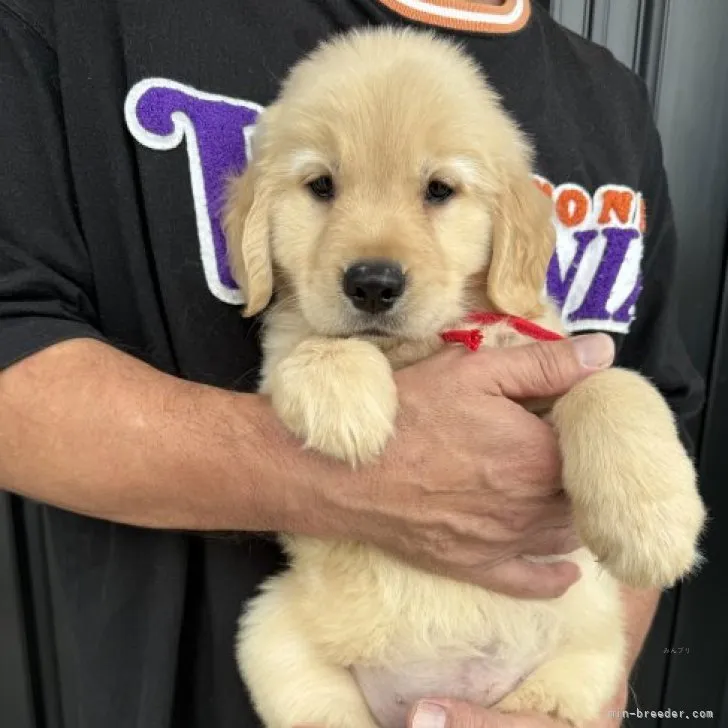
[391, 692]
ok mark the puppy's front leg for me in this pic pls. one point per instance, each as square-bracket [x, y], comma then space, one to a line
[338, 395]
[633, 486]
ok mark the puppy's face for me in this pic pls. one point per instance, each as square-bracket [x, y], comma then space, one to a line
[389, 192]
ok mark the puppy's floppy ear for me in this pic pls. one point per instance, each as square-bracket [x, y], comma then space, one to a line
[523, 241]
[246, 221]
[247, 234]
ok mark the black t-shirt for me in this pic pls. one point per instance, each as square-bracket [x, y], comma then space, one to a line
[120, 120]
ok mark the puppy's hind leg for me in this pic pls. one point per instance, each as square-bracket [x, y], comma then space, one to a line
[573, 687]
[290, 684]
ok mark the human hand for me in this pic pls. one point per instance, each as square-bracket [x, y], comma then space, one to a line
[470, 483]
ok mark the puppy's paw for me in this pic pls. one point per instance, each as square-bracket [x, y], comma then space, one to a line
[572, 687]
[644, 542]
[536, 698]
[633, 486]
[338, 396]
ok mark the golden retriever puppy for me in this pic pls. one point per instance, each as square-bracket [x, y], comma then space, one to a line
[388, 195]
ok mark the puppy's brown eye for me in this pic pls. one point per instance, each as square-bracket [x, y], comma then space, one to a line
[322, 187]
[438, 191]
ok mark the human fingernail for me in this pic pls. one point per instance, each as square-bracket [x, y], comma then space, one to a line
[594, 351]
[429, 715]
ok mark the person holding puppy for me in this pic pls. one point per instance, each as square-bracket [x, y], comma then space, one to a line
[127, 372]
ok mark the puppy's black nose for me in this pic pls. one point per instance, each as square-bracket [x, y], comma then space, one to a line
[374, 285]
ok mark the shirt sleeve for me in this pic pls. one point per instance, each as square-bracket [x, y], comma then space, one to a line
[46, 282]
[654, 345]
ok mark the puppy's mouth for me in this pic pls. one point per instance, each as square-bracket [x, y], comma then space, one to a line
[370, 333]
[377, 327]
[377, 333]
[387, 325]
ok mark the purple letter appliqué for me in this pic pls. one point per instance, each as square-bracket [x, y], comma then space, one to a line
[161, 114]
[595, 274]
[558, 287]
[603, 285]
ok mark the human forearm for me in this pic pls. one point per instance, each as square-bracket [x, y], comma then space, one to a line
[92, 430]
[89, 429]
[639, 610]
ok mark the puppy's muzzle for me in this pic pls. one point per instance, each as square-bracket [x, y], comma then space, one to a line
[374, 285]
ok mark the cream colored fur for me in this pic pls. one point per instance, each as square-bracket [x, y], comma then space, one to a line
[384, 112]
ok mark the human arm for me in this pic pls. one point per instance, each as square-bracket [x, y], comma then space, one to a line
[91, 429]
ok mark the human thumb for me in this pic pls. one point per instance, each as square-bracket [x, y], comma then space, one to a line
[455, 714]
[547, 369]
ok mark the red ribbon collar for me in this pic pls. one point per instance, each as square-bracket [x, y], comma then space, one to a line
[473, 338]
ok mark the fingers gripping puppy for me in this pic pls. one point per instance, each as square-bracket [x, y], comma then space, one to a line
[388, 196]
